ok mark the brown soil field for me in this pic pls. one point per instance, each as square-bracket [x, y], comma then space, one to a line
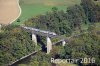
[9, 11]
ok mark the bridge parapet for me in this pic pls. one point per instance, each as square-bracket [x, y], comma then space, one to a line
[40, 32]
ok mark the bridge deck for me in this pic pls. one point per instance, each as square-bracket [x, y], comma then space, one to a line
[40, 32]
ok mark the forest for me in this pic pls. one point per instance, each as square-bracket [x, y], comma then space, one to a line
[83, 19]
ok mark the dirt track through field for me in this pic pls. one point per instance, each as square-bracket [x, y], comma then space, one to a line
[9, 11]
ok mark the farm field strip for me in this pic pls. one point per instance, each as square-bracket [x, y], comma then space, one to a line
[9, 11]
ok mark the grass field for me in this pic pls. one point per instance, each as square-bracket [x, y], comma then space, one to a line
[32, 8]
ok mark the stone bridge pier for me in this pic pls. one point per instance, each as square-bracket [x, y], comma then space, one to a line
[63, 43]
[34, 38]
[48, 40]
[49, 45]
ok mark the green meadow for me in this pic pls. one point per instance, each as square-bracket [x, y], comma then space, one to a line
[32, 8]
